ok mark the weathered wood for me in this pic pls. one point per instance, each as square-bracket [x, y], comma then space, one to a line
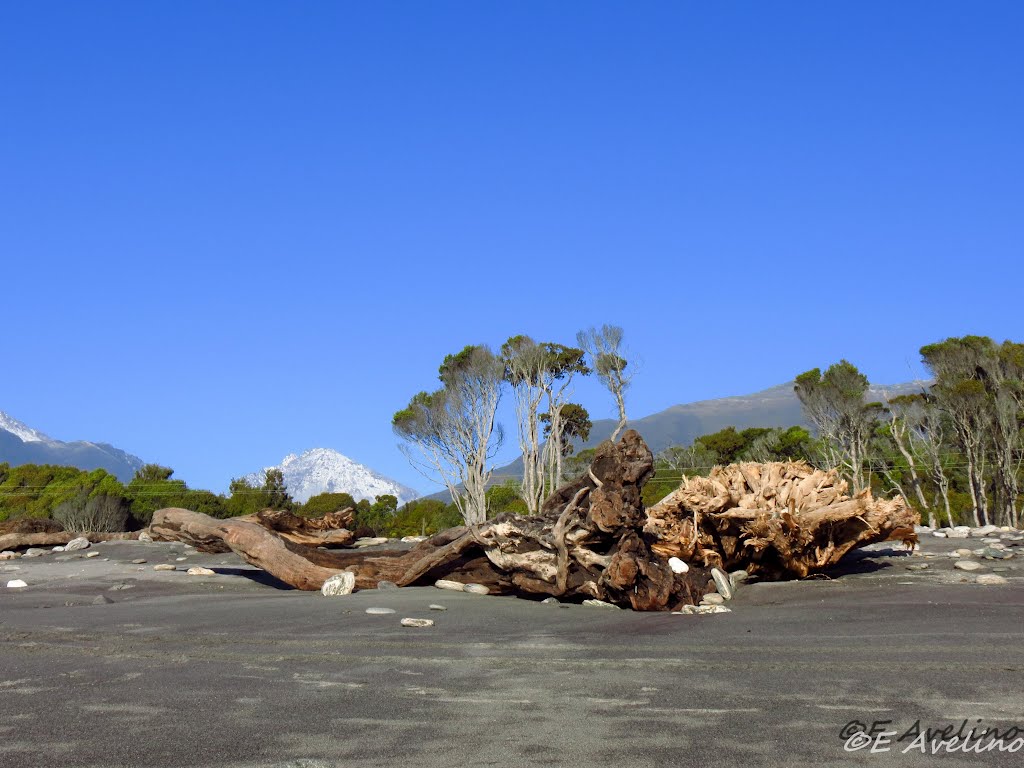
[776, 520]
[330, 530]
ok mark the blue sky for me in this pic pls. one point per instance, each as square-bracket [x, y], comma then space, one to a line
[233, 230]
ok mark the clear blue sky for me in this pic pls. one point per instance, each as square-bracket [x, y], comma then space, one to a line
[232, 230]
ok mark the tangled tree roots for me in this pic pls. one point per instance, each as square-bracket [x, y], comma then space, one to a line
[776, 520]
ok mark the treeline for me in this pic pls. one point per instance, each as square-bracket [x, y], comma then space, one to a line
[97, 501]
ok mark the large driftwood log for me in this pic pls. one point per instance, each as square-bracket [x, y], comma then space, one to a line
[586, 543]
[57, 539]
[330, 530]
[777, 520]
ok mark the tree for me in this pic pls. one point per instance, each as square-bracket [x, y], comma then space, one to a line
[454, 429]
[325, 503]
[277, 496]
[608, 357]
[835, 403]
[576, 425]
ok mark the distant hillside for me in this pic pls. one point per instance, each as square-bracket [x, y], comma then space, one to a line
[20, 444]
[680, 424]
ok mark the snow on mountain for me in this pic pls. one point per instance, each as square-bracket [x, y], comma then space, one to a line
[322, 470]
[20, 444]
[22, 431]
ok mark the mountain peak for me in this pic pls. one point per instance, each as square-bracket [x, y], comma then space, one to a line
[324, 470]
[22, 431]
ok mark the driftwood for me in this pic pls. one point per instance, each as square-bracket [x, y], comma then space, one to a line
[776, 520]
[586, 543]
[331, 530]
[57, 539]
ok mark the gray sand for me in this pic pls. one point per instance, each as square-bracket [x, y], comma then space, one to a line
[236, 670]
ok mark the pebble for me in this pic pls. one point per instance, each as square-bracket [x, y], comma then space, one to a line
[102, 600]
[967, 565]
[955, 534]
[963, 553]
[939, 534]
[600, 604]
[180, 559]
[207, 572]
[75, 544]
[677, 565]
[436, 607]
[386, 585]
[339, 584]
[722, 582]
[738, 577]
[145, 538]
[164, 567]
[138, 561]
[57, 549]
[16, 584]
[34, 552]
[476, 589]
[550, 601]
[985, 530]
[918, 567]
[370, 541]
[417, 622]
[92, 554]
[8, 555]
[690, 610]
[380, 611]
[712, 599]
[413, 539]
[990, 578]
[454, 586]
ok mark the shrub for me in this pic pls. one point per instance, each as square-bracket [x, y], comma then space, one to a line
[100, 514]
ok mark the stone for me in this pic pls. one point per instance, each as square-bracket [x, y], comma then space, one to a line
[550, 601]
[380, 611]
[990, 553]
[413, 539]
[16, 584]
[207, 572]
[722, 582]
[92, 554]
[119, 587]
[939, 534]
[712, 598]
[9, 555]
[138, 561]
[990, 540]
[476, 589]
[419, 623]
[962, 528]
[436, 607]
[990, 578]
[164, 567]
[955, 534]
[102, 600]
[454, 586]
[57, 549]
[145, 537]
[967, 565]
[677, 565]
[918, 567]
[337, 585]
[76, 544]
[600, 604]
[738, 577]
[963, 552]
[370, 541]
[985, 530]
[693, 610]
[386, 585]
[34, 552]
[180, 559]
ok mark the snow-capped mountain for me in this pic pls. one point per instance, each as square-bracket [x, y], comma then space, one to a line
[20, 444]
[322, 470]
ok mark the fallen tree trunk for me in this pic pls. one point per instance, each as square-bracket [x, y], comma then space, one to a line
[57, 539]
[777, 520]
[331, 530]
[586, 543]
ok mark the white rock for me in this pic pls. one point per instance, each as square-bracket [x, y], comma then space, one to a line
[16, 584]
[370, 541]
[677, 565]
[145, 537]
[200, 572]
[964, 528]
[417, 622]
[990, 578]
[955, 534]
[413, 539]
[939, 534]
[722, 582]
[738, 577]
[691, 610]
[75, 544]
[436, 607]
[92, 554]
[967, 565]
[712, 599]
[339, 584]
[9, 555]
[164, 567]
[57, 549]
[380, 611]
[985, 530]
[600, 604]
[454, 586]
[476, 589]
